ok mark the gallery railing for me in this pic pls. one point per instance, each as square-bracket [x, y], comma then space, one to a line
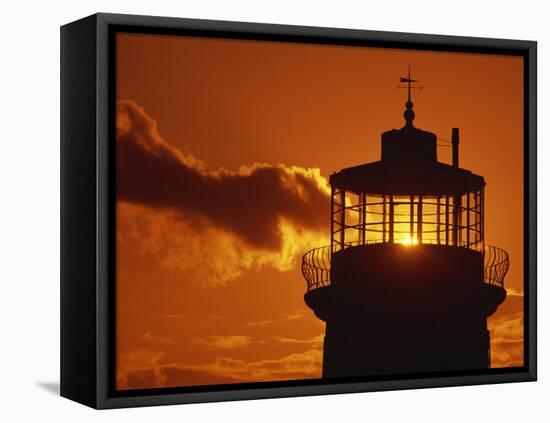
[316, 266]
[496, 263]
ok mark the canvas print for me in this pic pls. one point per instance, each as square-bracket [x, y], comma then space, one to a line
[293, 211]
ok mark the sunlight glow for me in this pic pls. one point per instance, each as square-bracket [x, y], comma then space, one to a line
[408, 241]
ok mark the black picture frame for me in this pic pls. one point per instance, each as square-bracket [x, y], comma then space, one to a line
[87, 209]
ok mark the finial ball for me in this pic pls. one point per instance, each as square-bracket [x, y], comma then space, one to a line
[409, 116]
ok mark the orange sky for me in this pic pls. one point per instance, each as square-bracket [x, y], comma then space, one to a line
[213, 293]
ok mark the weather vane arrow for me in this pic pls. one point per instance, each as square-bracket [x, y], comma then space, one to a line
[408, 81]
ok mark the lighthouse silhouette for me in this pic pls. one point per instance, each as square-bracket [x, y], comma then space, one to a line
[407, 282]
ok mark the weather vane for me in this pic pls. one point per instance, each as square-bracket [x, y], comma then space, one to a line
[408, 80]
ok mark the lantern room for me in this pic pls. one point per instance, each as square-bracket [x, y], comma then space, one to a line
[407, 197]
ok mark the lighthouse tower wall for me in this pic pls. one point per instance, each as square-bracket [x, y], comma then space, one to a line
[393, 309]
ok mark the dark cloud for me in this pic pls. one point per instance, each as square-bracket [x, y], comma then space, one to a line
[249, 202]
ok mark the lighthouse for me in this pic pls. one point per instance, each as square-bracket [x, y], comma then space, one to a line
[407, 282]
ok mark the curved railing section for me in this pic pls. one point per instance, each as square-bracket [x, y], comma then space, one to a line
[316, 266]
[496, 263]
